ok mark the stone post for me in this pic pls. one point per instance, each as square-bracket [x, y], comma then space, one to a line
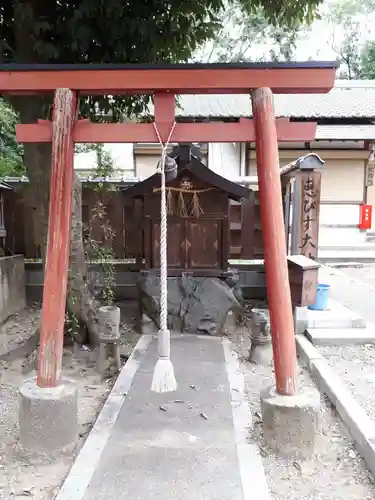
[109, 336]
[261, 342]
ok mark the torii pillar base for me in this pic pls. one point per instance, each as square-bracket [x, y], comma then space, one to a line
[291, 423]
[48, 417]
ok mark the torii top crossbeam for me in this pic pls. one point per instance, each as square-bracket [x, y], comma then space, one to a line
[282, 78]
[165, 81]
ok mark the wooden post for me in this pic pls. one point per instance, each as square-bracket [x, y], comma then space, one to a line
[58, 240]
[286, 194]
[309, 187]
[271, 209]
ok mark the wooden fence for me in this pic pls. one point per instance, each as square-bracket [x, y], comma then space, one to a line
[126, 220]
[301, 198]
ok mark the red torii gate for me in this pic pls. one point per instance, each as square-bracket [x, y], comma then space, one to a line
[67, 82]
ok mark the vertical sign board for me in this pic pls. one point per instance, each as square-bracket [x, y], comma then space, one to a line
[310, 183]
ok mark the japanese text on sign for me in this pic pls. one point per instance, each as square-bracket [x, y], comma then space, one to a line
[309, 216]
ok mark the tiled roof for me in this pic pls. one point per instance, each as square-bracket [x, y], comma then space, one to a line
[348, 99]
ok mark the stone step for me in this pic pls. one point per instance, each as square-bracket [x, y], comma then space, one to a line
[331, 256]
[351, 336]
[349, 246]
[336, 316]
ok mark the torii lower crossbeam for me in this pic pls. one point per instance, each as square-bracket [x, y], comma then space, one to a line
[241, 131]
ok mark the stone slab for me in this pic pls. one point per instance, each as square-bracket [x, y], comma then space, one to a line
[336, 316]
[187, 444]
[359, 424]
[336, 336]
[329, 256]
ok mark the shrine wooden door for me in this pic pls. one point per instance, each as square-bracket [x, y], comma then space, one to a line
[203, 243]
[175, 255]
[192, 243]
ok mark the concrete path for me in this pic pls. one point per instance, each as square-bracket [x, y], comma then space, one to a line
[191, 444]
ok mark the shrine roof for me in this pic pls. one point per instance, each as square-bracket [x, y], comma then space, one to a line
[196, 167]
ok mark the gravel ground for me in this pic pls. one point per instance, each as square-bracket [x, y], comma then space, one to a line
[11, 335]
[355, 366]
[23, 477]
[334, 473]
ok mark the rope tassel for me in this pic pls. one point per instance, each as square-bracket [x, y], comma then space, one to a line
[163, 379]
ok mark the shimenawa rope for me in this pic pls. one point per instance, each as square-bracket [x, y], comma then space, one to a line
[163, 379]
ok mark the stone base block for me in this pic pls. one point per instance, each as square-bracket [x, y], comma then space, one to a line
[290, 423]
[48, 417]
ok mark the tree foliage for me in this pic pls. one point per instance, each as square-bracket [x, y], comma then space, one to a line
[367, 62]
[11, 160]
[352, 22]
[249, 38]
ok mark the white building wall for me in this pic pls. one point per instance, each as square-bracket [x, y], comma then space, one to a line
[122, 155]
[225, 159]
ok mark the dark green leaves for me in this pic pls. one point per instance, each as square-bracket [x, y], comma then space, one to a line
[11, 162]
[125, 31]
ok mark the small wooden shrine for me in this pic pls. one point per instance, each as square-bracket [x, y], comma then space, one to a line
[198, 211]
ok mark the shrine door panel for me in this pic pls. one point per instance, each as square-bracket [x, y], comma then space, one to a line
[175, 254]
[203, 243]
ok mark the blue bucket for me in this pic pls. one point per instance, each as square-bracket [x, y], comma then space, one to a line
[321, 302]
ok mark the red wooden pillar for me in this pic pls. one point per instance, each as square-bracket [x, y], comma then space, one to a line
[58, 242]
[271, 209]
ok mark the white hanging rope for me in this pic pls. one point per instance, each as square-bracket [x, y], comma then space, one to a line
[163, 379]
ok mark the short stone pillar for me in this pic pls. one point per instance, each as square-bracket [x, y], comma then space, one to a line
[290, 423]
[261, 341]
[109, 337]
[48, 417]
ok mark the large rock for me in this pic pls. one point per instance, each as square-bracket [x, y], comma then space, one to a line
[195, 305]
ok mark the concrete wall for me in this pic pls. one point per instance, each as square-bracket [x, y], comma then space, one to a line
[12, 285]
[122, 156]
[252, 281]
[343, 175]
[342, 193]
[145, 164]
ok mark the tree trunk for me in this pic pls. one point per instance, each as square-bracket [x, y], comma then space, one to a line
[37, 158]
[81, 302]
